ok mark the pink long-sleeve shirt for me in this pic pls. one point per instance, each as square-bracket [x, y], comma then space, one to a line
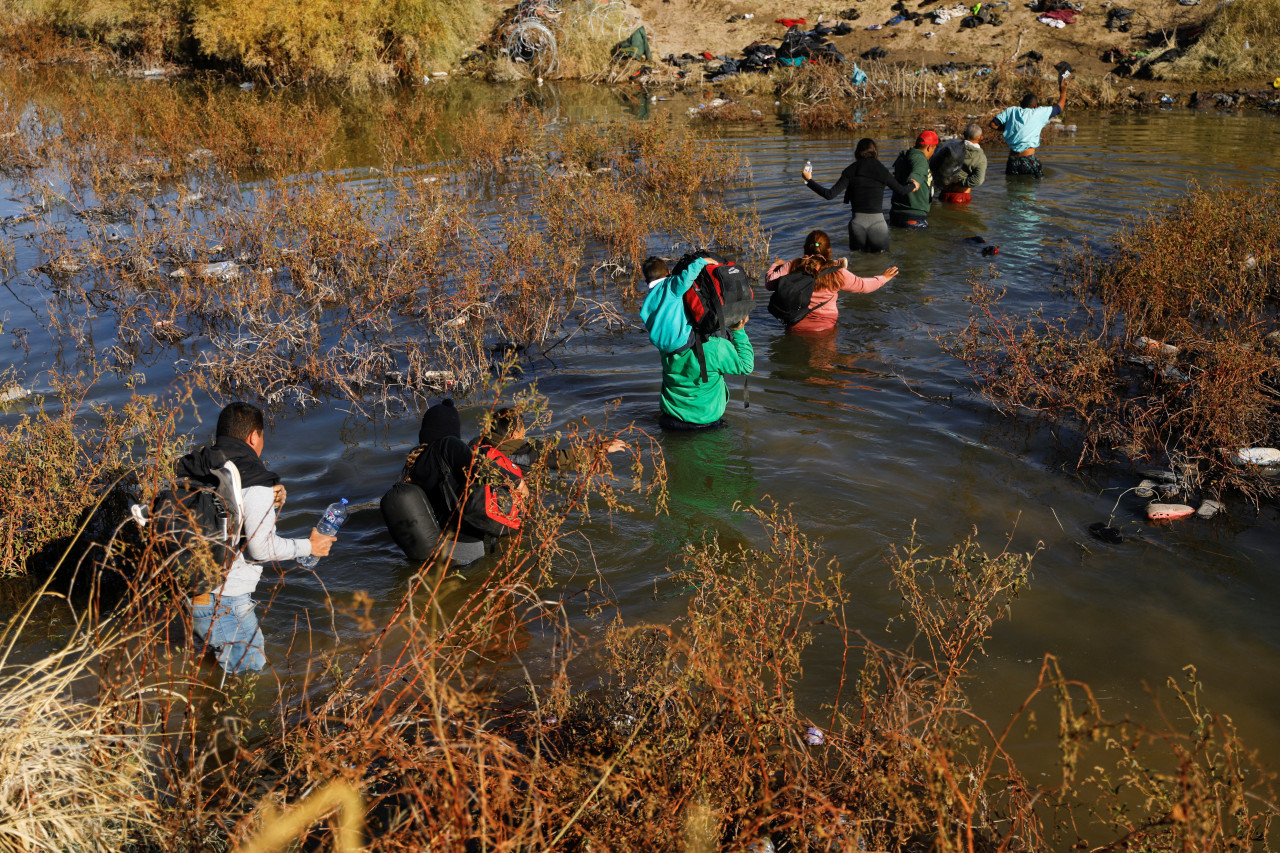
[825, 311]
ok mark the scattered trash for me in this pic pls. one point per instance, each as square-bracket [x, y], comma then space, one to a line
[1166, 512]
[246, 86]
[1104, 532]
[875, 27]
[988, 251]
[1260, 456]
[858, 78]
[179, 273]
[222, 271]
[761, 845]
[1209, 508]
[1166, 100]
[1152, 345]
[814, 736]
[1250, 262]
[975, 239]
[13, 392]
[166, 331]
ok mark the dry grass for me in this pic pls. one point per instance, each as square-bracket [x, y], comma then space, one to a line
[1220, 54]
[355, 44]
[74, 773]
[1197, 276]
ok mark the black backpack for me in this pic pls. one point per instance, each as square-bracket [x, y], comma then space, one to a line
[198, 520]
[721, 298]
[792, 294]
[489, 503]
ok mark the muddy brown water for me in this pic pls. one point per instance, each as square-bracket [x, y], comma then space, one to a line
[866, 433]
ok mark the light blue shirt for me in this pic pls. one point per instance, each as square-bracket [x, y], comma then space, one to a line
[1021, 127]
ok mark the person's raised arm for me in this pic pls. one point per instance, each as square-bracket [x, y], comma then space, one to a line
[1062, 92]
[837, 189]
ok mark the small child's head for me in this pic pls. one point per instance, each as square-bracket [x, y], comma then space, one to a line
[818, 243]
[506, 424]
[654, 268]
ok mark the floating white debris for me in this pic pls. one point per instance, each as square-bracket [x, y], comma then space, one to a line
[1152, 345]
[223, 271]
[814, 736]
[12, 393]
[1265, 456]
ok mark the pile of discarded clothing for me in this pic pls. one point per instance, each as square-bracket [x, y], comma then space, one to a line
[796, 47]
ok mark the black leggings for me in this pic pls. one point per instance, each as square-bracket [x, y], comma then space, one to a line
[868, 232]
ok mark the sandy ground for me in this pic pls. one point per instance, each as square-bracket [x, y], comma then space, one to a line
[680, 26]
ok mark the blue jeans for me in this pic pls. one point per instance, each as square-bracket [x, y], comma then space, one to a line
[232, 630]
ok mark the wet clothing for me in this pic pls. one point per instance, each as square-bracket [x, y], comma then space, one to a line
[824, 309]
[868, 232]
[957, 198]
[441, 472]
[1019, 165]
[225, 619]
[676, 425]
[525, 452]
[911, 165]
[686, 397]
[229, 624]
[863, 184]
[956, 166]
[1021, 126]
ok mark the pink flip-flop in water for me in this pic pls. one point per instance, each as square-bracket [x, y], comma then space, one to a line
[1164, 512]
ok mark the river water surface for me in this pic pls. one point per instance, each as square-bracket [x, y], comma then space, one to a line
[866, 434]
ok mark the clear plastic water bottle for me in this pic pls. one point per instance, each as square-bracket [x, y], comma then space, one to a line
[334, 517]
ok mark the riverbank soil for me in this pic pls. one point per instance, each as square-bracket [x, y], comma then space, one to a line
[1088, 45]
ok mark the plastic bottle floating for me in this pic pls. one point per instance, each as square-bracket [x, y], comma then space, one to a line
[1166, 512]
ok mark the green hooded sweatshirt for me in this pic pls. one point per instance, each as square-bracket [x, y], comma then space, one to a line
[686, 397]
[912, 164]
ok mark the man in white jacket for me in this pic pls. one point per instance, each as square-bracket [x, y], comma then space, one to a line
[224, 618]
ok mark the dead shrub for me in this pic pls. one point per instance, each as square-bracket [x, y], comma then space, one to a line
[1165, 355]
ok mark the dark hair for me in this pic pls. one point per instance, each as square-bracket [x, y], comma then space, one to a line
[1029, 101]
[504, 424]
[239, 420]
[818, 243]
[654, 268]
[866, 148]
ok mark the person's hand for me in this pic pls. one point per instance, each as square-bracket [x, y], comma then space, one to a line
[915, 185]
[616, 446]
[891, 272]
[740, 325]
[807, 172]
[843, 263]
[320, 544]
[278, 495]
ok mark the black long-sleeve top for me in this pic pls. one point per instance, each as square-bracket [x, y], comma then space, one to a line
[863, 184]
